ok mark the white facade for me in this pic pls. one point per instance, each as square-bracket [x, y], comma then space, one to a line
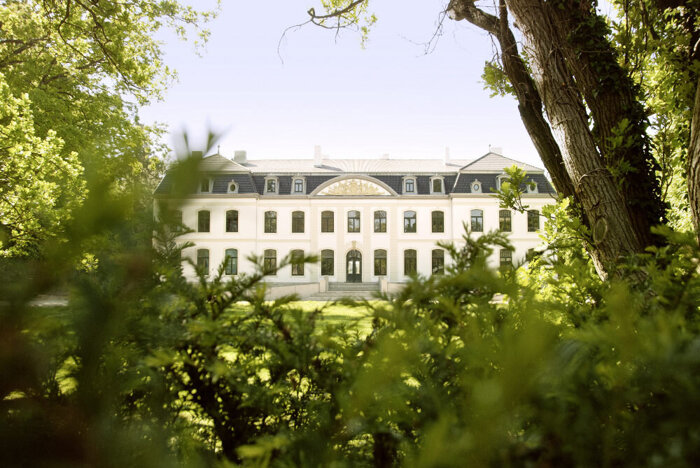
[340, 193]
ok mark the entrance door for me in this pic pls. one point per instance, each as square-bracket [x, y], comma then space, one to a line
[354, 267]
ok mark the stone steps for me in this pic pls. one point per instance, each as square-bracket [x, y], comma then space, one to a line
[364, 287]
[330, 296]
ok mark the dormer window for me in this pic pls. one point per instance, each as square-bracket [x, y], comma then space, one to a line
[298, 185]
[205, 185]
[531, 187]
[271, 185]
[409, 185]
[476, 186]
[500, 179]
[232, 187]
[437, 185]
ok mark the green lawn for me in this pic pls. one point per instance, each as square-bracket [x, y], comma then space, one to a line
[339, 313]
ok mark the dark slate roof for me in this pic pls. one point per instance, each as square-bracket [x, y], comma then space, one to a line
[312, 182]
[244, 182]
[489, 183]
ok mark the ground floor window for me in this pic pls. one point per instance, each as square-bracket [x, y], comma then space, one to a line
[438, 265]
[297, 262]
[270, 262]
[380, 262]
[506, 258]
[327, 263]
[410, 262]
[533, 221]
[203, 260]
[231, 262]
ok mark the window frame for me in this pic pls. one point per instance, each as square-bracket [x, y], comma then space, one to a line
[302, 185]
[275, 183]
[437, 264]
[354, 222]
[440, 221]
[410, 262]
[327, 259]
[270, 262]
[380, 262]
[476, 214]
[231, 262]
[505, 258]
[270, 222]
[414, 185]
[203, 260]
[235, 190]
[201, 221]
[533, 220]
[201, 184]
[408, 226]
[442, 185]
[327, 221]
[505, 223]
[296, 264]
[231, 224]
[298, 221]
[381, 219]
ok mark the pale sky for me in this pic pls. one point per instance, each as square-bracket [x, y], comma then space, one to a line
[356, 103]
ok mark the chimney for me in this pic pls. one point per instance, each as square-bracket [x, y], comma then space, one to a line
[496, 149]
[447, 154]
[240, 156]
[317, 156]
[385, 156]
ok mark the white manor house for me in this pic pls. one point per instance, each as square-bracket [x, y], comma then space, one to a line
[373, 222]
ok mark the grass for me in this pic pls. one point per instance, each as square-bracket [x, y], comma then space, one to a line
[337, 313]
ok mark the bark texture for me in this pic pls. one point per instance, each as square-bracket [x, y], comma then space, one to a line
[694, 164]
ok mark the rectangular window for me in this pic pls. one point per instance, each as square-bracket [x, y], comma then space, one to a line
[298, 221]
[203, 221]
[297, 263]
[409, 262]
[298, 186]
[327, 263]
[504, 223]
[438, 266]
[477, 221]
[176, 222]
[409, 221]
[437, 185]
[204, 185]
[533, 221]
[270, 186]
[380, 262]
[380, 221]
[327, 221]
[506, 258]
[270, 262]
[232, 221]
[438, 221]
[203, 260]
[231, 262]
[353, 221]
[270, 221]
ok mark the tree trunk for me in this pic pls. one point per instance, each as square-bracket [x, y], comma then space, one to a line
[694, 164]
[613, 231]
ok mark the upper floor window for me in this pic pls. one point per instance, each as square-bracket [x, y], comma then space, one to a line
[409, 185]
[203, 221]
[436, 185]
[232, 187]
[298, 185]
[500, 179]
[232, 221]
[297, 221]
[438, 224]
[270, 221]
[410, 262]
[271, 185]
[532, 187]
[327, 221]
[270, 262]
[438, 262]
[204, 185]
[353, 221]
[477, 221]
[231, 262]
[327, 262]
[533, 220]
[409, 221]
[380, 262]
[203, 260]
[506, 258]
[380, 221]
[504, 223]
[297, 261]
[176, 221]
